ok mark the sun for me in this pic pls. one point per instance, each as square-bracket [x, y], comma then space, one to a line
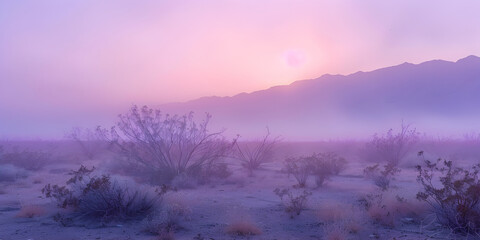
[294, 58]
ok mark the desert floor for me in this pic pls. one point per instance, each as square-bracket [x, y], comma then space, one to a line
[332, 211]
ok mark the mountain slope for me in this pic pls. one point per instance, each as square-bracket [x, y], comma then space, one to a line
[436, 96]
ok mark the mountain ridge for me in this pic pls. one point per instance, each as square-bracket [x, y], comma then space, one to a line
[468, 58]
[432, 91]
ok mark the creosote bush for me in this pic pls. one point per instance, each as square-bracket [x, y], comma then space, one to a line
[164, 146]
[299, 168]
[391, 147]
[381, 177]
[166, 220]
[452, 192]
[294, 202]
[322, 166]
[99, 197]
[388, 208]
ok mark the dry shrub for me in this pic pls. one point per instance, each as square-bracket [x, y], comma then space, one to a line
[30, 211]
[184, 181]
[168, 219]
[333, 212]
[243, 227]
[321, 165]
[348, 218]
[162, 146]
[381, 177]
[253, 155]
[355, 225]
[453, 193]
[391, 147]
[100, 198]
[294, 202]
[335, 232]
[165, 236]
[299, 168]
[388, 209]
[214, 172]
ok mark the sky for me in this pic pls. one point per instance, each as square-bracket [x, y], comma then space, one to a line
[67, 63]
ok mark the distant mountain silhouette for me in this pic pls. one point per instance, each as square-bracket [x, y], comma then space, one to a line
[437, 96]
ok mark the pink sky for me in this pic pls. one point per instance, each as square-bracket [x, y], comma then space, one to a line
[62, 62]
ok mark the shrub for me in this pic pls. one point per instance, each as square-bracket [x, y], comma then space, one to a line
[165, 146]
[217, 170]
[30, 211]
[391, 147]
[299, 168]
[338, 163]
[243, 227]
[322, 166]
[389, 209]
[344, 218]
[294, 203]
[167, 220]
[254, 154]
[98, 197]
[335, 232]
[381, 178]
[184, 181]
[329, 212]
[452, 192]
[166, 236]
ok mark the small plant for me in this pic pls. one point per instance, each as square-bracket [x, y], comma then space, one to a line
[338, 164]
[254, 154]
[335, 231]
[214, 171]
[324, 165]
[453, 193]
[30, 211]
[299, 168]
[339, 218]
[98, 197]
[391, 147]
[294, 203]
[389, 209]
[333, 212]
[381, 177]
[166, 221]
[243, 228]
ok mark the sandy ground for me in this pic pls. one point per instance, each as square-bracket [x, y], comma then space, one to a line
[215, 205]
